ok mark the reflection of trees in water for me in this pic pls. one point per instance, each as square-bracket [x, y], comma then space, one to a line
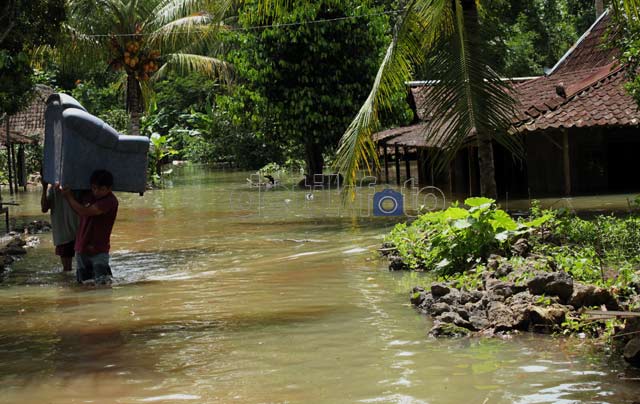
[60, 337]
[91, 350]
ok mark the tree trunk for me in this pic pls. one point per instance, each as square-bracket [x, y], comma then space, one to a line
[134, 104]
[313, 158]
[483, 137]
[488, 186]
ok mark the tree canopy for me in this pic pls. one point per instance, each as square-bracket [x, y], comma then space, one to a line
[315, 74]
[24, 24]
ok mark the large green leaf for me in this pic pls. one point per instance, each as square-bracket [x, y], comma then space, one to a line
[478, 201]
[501, 220]
[454, 213]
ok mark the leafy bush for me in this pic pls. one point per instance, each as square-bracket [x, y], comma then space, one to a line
[455, 239]
[604, 250]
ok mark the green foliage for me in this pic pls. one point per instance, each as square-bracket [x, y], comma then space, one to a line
[291, 165]
[604, 250]
[530, 35]
[146, 40]
[159, 150]
[24, 25]
[16, 81]
[627, 39]
[456, 239]
[582, 324]
[315, 75]
[96, 98]
[105, 102]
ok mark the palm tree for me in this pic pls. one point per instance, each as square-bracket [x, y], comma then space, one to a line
[467, 100]
[146, 39]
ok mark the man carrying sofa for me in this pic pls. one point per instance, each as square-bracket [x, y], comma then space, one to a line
[97, 213]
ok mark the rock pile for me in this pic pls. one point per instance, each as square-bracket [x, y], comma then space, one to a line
[14, 245]
[533, 297]
[34, 227]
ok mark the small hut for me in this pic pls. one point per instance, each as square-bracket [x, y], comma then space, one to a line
[23, 129]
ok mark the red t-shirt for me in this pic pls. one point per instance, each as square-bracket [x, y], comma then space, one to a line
[94, 232]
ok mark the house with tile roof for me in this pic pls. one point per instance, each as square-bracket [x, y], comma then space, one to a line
[578, 124]
[22, 129]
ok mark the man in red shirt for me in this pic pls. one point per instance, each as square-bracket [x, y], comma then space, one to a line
[97, 215]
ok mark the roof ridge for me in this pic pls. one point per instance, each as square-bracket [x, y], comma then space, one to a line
[578, 42]
[584, 88]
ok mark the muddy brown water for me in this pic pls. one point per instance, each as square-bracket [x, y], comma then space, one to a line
[221, 299]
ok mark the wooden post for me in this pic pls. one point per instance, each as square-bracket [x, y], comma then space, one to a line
[15, 168]
[386, 163]
[452, 175]
[378, 171]
[9, 165]
[473, 172]
[407, 163]
[22, 166]
[419, 157]
[397, 158]
[566, 162]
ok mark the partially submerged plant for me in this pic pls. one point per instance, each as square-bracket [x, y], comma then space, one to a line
[456, 239]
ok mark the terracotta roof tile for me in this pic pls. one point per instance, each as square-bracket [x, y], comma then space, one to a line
[593, 84]
[604, 104]
[412, 136]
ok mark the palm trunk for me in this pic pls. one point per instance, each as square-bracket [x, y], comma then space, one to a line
[484, 140]
[134, 104]
[488, 186]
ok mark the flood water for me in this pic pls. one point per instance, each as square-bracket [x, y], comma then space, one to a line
[228, 294]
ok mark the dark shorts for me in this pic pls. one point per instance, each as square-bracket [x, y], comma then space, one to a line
[93, 267]
[66, 250]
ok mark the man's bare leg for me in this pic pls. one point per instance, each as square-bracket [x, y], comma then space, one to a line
[66, 263]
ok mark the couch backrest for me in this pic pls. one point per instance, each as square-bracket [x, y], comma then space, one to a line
[76, 143]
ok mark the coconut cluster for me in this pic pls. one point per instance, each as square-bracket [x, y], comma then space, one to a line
[134, 57]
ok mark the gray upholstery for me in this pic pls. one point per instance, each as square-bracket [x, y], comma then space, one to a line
[76, 143]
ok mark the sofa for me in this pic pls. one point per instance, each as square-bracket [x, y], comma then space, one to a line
[76, 143]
